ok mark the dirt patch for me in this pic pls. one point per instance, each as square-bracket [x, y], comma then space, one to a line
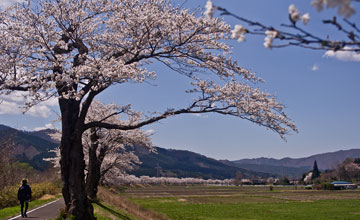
[318, 195]
[233, 199]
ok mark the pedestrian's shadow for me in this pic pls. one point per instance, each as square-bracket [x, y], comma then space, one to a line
[117, 214]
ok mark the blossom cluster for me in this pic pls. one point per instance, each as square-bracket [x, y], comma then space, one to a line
[295, 15]
[238, 33]
[344, 6]
[241, 100]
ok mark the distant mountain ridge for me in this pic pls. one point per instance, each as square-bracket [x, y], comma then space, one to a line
[29, 147]
[325, 161]
[182, 163]
[32, 147]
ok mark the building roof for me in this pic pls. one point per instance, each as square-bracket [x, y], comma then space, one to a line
[340, 182]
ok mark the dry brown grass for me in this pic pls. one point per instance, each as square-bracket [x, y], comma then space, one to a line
[47, 196]
[112, 197]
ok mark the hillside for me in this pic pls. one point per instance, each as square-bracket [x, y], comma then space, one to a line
[291, 172]
[290, 166]
[181, 163]
[28, 147]
[32, 147]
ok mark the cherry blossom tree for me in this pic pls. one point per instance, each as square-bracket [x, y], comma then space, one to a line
[295, 33]
[107, 153]
[75, 49]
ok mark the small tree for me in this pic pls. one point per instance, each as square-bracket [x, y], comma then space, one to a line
[238, 178]
[315, 171]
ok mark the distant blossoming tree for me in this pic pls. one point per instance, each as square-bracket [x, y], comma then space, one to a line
[294, 34]
[131, 179]
[107, 153]
[75, 49]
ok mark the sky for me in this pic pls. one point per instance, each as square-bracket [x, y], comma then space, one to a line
[319, 89]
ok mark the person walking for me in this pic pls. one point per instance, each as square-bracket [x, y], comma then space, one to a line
[24, 196]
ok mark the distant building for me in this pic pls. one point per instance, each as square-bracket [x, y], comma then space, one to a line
[343, 185]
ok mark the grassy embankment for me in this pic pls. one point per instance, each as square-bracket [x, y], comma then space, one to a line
[201, 202]
[112, 205]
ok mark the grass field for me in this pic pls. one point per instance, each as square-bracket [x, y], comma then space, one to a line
[223, 202]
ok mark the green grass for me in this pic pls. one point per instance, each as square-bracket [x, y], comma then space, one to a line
[250, 203]
[315, 210]
[15, 210]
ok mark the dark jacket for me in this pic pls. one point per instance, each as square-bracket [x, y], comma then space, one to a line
[24, 192]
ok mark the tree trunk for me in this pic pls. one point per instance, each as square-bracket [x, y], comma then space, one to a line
[72, 162]
[94, 166]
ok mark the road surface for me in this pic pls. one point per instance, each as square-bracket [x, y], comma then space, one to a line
[47, 211]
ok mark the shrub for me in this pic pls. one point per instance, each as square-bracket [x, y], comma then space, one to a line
[8, 195]
[328, 186]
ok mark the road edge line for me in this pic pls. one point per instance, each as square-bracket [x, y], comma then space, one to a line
[32, 210]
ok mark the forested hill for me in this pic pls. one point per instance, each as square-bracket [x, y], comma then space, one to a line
[29, 147]
[181, 163]
[32, 147]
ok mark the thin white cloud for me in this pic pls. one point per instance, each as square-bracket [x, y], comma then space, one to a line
[47, 126]
[14, 104]
[7, 107]
[150, 131]
[315, 67]
[39, 111]
[51, 102]
[343, 55]
[6, 3]
[200, 115]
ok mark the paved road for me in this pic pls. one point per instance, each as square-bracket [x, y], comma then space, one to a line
[47, 211]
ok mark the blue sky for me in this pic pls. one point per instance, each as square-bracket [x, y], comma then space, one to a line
[321, 94]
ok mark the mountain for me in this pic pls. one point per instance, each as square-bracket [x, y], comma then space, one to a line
[28, 147]
[32, 147]
[295, 167]
[181, 163]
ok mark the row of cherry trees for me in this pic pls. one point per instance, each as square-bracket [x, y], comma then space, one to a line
[131, 179]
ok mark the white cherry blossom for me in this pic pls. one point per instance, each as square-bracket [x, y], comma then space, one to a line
[294, 13]
[238, 33]
[305, 18]
[209, 13]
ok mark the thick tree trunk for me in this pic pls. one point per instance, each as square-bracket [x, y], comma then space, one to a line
[72, 163]
[94, 166]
